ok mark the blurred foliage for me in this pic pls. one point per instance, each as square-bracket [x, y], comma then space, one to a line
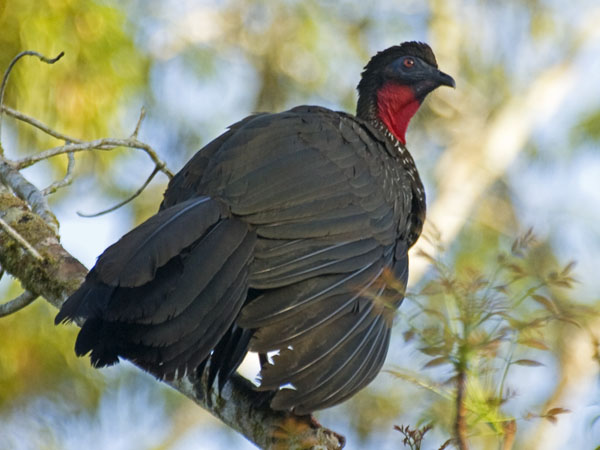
[483, 320]
[83, 95]
[101, 67]
[588, 128]
[32, 361]
[199, 66]
[413, 439]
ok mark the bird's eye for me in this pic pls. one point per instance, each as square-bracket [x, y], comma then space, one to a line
[408, 62]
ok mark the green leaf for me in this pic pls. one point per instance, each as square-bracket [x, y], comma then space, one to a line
[534, 343]
[432, 288]
[437, 362]
[433, 351]
[545, 302]
[435, 312]
[555, 411]
[569, 320]
[527, 362]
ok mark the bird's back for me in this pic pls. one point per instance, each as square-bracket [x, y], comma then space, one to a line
[301, 222]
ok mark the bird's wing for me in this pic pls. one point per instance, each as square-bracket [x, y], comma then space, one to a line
[323, 198]
[303, 208]
[166, 293]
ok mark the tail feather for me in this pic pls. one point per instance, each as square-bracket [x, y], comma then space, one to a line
[176, 297]
[153, 243]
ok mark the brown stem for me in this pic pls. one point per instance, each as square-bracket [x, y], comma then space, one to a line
[510, 430]
[460, 424]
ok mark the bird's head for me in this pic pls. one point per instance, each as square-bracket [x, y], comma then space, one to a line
[394, 84]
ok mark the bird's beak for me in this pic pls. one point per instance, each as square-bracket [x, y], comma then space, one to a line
[444, 79]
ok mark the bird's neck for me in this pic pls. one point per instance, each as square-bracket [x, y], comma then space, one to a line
[395, 106]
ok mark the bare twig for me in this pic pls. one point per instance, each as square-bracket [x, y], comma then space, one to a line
[74, 145]
[134, 135]
[98, 144]
[460, 423]
[9, 170]
[20, 239]
[67, 179]
[131, 142]
[10, 67]
[124, 202]
[38, 124]
[17, 304]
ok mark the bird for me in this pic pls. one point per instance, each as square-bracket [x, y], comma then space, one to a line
[287, 236]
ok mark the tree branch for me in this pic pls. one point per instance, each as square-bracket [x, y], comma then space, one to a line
[26, 191]
[37, 124]
[244, 410]
[17, 237]
[460, 422]
[134, 135]
[124, 202]
[98, 144]
[66, 180]
[17, 304]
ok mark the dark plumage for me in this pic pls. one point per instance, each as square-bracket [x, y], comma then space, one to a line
[280, 235]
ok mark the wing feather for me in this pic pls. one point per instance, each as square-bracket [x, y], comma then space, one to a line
[276, 236]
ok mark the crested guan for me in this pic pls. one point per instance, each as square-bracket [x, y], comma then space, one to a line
[289, 234]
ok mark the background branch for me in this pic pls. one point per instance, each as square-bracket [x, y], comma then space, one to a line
[37, 124]
[124, 202]
[98, 144]
[17, 304]
[67, 179]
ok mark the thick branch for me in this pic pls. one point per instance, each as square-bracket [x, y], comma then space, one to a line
[20, 239]
[27, 192]
[60, 274]
[244, 410]
[55, 273]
